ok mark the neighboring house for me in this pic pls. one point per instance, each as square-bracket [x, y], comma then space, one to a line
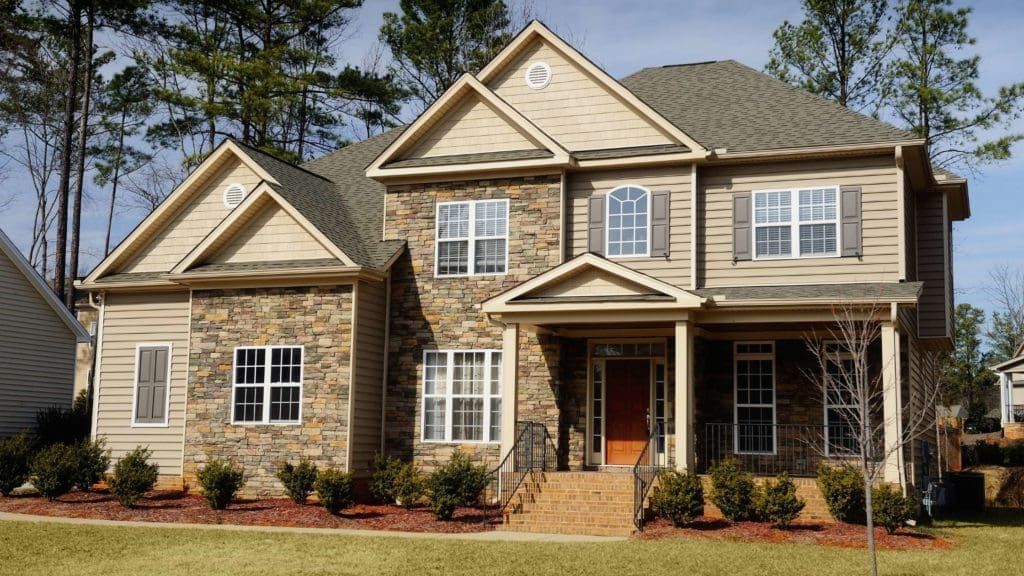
[543, 244]
[38, 337]
[1011, 390]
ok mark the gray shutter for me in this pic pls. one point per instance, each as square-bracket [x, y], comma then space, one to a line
[151, 394]
[850, 219]
[595, 224]
[659, 223]
[741, 228]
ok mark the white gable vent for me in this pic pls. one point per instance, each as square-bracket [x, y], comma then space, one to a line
[233, 195]
[538, 75]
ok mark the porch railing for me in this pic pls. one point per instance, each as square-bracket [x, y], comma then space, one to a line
[1016, 412]
[645, 472]
[533, 450]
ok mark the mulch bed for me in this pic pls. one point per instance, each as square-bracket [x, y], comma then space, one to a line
[176, 506]
[826, 534]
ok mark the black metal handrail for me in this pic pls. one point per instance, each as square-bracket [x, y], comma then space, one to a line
[644, 473]
[533, 450]
[1016, 412]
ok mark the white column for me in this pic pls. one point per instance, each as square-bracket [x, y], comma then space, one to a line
[892, 404]
[684, 396]
[509, 385]
[1004, 399]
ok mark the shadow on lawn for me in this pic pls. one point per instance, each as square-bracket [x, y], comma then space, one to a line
[993, 517]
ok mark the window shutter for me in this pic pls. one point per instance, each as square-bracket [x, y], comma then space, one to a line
[741, 235]
[151, 394]
[595, 224]
[659, 223]
[159, 384]
[850, 220]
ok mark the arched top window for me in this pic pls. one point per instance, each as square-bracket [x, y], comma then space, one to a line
[629, 230]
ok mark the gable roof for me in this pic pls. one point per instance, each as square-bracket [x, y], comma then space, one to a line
[725, 104]
[40, 286]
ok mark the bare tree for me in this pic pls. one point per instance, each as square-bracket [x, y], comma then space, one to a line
[152, 183]
[1006, 331]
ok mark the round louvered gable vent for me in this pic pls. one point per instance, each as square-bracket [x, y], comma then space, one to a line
[538, 75]
[233, 195]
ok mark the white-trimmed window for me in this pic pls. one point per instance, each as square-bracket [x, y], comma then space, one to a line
[461, 396]
[472, 238]
[754, 370]
[152, 385]
[266, 385]
[800, 223]
[841, 406]
[629, 230]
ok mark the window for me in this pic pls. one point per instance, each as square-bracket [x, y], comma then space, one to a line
[807, 219]
[462, 396]
[841, 407]
[152, 385]
[628, 222]
[267, 385]
[472, 238]
[755, 397]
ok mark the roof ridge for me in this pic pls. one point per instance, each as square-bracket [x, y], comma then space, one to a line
[277, 158]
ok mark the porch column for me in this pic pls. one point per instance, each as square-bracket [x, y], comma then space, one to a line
[509, 385]
[684, 397]
[1005, 414]
[892, 404]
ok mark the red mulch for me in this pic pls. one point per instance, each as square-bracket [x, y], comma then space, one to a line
[175, 506]
[827, 534]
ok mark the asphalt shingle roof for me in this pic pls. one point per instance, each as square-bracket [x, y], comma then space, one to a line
[880, 291]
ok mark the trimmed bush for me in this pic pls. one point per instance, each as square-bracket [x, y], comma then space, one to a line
[457, 483]
[732, 490]
[54, 470]
[14, 462]
[409, 486]
[133, 476]
[220, 481]
[890, 508]
[678, 497]
[93, 461]
[776, 502]
[334, 489]
[298, 480]
[842, 487]
[1013, 453]
[56, 425]
[385, 472]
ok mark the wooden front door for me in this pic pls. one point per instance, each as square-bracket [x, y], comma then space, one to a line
[628, 387]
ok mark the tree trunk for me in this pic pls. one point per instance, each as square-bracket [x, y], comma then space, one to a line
[64, 185]
[83, 135]
[113, 183]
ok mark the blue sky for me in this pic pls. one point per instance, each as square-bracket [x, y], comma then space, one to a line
[623, 37]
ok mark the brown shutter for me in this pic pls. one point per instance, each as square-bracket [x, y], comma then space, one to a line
[151, 392]
[659, 223]
[741, 228]
[850, 219]
[595, 224]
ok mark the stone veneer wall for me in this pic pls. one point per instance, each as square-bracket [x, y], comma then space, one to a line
[319, 318]
[444, 313]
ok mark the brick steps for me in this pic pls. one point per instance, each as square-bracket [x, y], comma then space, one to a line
[593, 503]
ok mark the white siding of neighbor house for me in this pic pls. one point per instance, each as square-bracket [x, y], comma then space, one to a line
[470, 127]
[270, 234]
[368, 369]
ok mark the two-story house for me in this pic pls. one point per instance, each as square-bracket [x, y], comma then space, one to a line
[544, 244]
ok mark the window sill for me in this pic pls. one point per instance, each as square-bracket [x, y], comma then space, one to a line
[150, 425]
[296, 423]
[460, 442]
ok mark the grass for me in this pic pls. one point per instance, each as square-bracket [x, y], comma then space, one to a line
[987, 546]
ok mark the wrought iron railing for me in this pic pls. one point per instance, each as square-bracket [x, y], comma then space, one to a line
[645, 472]
[1016, 412]
[533, 450]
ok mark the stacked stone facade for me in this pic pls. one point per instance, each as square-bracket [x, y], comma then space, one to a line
[317, 318]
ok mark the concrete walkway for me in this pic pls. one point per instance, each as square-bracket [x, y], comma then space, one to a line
[489, 536]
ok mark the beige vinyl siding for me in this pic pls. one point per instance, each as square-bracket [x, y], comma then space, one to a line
[931, 266]
[1017, 394]
[37, 353]
[471, 127]
[368, 369]
[676, 180]
[129, 320]
[910, 223]
[271, 234]
[574, 108]
[593, 283]
[193, 222]
[880, 262]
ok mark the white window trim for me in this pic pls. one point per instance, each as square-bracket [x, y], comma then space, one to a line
[470, 238]
[266, 387]
[839, 355]
[794, 223]
[449, 395]
[736, 357]
[608, 222]
[167, 389]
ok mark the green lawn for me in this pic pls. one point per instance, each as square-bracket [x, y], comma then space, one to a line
[990, 547]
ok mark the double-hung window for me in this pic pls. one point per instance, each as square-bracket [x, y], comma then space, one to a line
[842, 410]
[472, 238]
[629, 230]
[267, 385]
[799, 223]
[755, 397]
[462, 396]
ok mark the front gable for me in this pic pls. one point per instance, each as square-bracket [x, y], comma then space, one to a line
[471, 127]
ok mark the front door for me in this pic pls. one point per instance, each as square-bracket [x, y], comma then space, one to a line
[628, 388]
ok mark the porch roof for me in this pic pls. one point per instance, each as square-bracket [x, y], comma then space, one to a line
[868, 292]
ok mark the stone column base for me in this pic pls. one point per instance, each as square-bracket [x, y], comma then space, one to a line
[1014, 430]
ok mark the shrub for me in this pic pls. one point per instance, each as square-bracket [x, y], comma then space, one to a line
[732, 490]
[777, 502]
[133, 476]
[382, 484]
[409, 486]
[93, 461]
[14, 462]
[56, 425]
[891, 509]
[298, 480]
[678, 497]
[1011, 492]
[457, 483]
[1013, 453]
[334, 489]
[220, 481]
[54, 470]
[842, 487]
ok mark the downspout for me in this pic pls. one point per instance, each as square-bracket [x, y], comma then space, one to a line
[93, 392]
[387, 347]
[561, 218]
